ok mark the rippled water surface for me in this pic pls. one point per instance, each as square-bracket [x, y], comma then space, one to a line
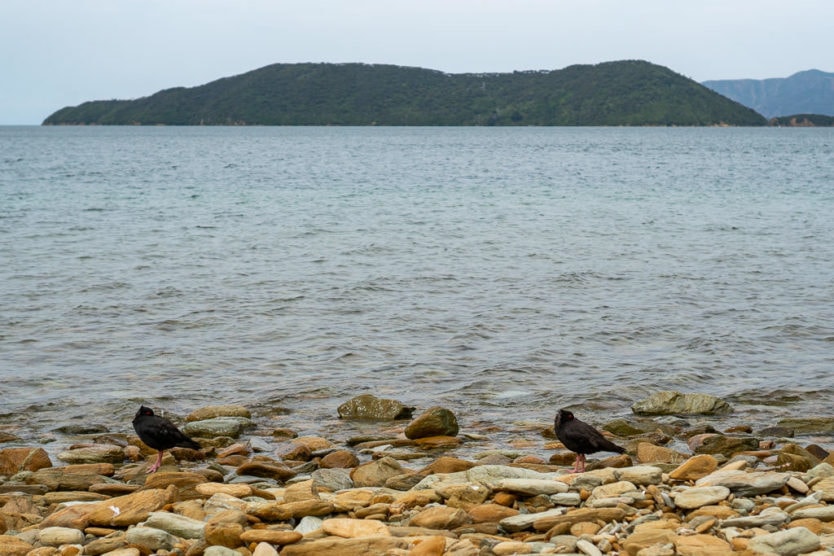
[500, 272]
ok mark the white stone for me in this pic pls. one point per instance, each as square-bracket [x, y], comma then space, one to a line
[177, 525]
[823, 513]
[566, 499]
[264, 549]
[789, 542]
[768, 516]
[744, 483]
[150, 539]
[220, 551]
[56, 536]
[587, 547]
[531, 487]
[697, 497]
[520, 522]
[640, 475]
[308, 524]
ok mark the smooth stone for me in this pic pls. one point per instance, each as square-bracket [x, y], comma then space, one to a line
[649, 453]
[314, 443]
[509, 548]
[271, 536]
[439, 517]
[13, 546]
[694, 468]
[521, 522]
[376, 472]
[177, 525]
[353, 499]
[611, 490]
[56, 478]
[587, 548]
[184, 481]
[573, 516]
[308, 524]
[15, 460]
[645, 537]
[702, 545]
[237, 490]
[726, 445]
[768, 516]
[121, 511]
[102, 545]
[435, 421]
[744, 483]
[335, 546]
[64, 496]
[219, 551]
[441, 442]
[354, 528]
[332, 479]
[264, 549]
[369, 407]
[464, 496]
[822, 513]
[531, 487]
[675, 403]
[564, 543]
[567, 499]
[826, 488]
[339, 459]
[266, 469]
[696, 497]
[214, 411]
[302, 490]
[808, 425]
[429, 546]
[150, 539]
[629, 427]
[446, 464]
[490, 513]
[797, 540]
[219, 426]
[98, 453]
[640, 474]
[220, 502]
[223, 533]
[279, 511]
[56, 536]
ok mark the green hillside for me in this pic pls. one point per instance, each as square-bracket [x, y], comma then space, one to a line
[630, 93]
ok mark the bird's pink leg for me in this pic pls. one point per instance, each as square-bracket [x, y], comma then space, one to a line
[158, 463]
[579, 464]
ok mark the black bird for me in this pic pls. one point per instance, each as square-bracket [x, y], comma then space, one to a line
[581, 438]
[159, 433]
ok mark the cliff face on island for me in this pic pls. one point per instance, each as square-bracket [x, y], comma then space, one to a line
[624, 93]
[804, 93]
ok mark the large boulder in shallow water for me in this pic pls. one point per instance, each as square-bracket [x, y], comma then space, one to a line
[435, 421]
[674, 403]
[368, 406]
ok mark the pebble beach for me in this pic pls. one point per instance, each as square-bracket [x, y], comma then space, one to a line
[425, 485]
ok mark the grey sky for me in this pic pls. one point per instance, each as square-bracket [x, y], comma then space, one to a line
[56, 53]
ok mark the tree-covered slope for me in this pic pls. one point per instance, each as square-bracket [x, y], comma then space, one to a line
[611, 93]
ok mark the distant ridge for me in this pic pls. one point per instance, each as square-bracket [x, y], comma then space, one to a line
[803, 93]
[624, 93]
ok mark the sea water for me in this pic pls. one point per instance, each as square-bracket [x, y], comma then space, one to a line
[499, 272]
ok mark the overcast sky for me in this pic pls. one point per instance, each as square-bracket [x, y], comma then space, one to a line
[56, 53]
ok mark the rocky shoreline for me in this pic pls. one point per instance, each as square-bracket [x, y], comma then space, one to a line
[406, 491]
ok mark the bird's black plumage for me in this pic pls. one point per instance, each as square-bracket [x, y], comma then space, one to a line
[159, 433]
[581, 438]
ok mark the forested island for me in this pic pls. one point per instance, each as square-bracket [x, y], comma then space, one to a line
[623, 93]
